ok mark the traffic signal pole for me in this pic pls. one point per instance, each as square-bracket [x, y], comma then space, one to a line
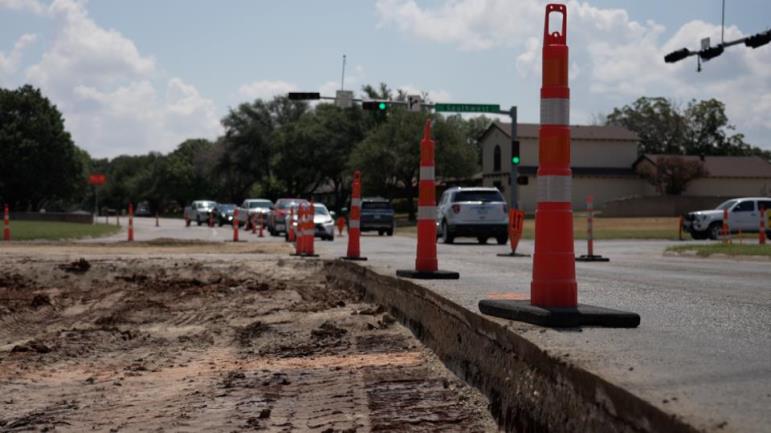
[514, 174]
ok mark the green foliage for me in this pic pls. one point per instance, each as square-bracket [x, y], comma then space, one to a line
[40, 166]
[701, 128]
[671, 175]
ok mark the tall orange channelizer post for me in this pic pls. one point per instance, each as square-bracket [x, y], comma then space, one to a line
[340, 226]
[354, 229]
[726, 229]
[235, 225]
[426, 265]
[762, 228]
[310, 231]
[516, 225]
[131, 222]
[297, 238]
[553, 290]
[590, 256]
[6, 224]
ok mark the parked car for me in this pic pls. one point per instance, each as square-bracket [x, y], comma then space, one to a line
[200, 210]
[259, 207]
[474, 212]
[277, 216]
[743, 215]
[142, 210]
[377, 214]
[223, 213]
[323, 222]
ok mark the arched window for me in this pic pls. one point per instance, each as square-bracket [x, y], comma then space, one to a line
[497, 158]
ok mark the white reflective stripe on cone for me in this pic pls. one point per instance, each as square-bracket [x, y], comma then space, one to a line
[555, 111]
[426, 172]
[555, 188]
[426, 213]
[353, 225]
[355, 202]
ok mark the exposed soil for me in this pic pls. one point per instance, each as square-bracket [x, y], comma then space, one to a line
[241, 343]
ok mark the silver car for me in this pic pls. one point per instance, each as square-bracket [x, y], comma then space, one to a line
[475, 212]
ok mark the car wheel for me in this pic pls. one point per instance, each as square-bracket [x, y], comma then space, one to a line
[390, 232]
[380, 232]
[198, 221]
[482, 240]
[699, 236]
[502, 240]
[714, 230]
[768, 235]
[447, 238]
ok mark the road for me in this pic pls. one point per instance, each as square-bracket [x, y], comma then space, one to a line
[703, 348]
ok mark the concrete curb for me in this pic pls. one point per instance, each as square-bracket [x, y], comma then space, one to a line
[529, 389]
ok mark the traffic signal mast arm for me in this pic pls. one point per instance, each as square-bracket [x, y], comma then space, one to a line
[754, 41]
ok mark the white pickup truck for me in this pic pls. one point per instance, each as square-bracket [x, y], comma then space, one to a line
[743, 215]
[199, 211]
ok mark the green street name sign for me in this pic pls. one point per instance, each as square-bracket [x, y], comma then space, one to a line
[469, 108]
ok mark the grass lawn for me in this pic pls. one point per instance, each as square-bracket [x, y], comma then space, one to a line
[605, 228]
[733, 249]
[46, 230]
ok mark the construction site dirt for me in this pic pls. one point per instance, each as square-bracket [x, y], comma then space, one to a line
[159, 337]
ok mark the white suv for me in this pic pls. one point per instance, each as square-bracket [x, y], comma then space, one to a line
[474, 212]
[743, 215]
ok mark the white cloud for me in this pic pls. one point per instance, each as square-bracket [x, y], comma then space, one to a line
[265, 89]
[433, 95]
[614, 59]
[23, 5]
[9, 63]
[108, 93]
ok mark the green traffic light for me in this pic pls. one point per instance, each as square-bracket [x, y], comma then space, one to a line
[515, 160]
[382, 106]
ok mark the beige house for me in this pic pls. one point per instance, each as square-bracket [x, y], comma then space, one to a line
[606, 165]
[602, 162]
[727, 176]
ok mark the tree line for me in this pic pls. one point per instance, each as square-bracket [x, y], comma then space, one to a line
[280, 148]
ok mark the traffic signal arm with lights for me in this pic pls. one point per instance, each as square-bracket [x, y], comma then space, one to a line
[515, 159]
[375, 105]
[303, 96]
[758, 40]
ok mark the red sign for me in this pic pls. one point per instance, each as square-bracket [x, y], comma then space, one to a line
[97, 179]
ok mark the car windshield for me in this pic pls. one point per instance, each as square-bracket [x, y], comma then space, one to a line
[482, 196]
[227, 206]
[321, 210]
[376, 205]
[287, 204]
[259, 204]
[726, 205]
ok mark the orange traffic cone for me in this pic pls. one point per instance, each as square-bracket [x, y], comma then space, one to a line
[297, 238]
[131, 222]
[590, 256]
[354, 231]
[6, 224]
[762, 228]
[516, 225]
[340, 226]
[426, 265]
[289, 228]
[553, 290]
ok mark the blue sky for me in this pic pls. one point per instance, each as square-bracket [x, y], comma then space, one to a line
[143, 75]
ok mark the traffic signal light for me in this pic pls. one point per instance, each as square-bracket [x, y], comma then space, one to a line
[375, 105]
[302, 96]
[515, 159]
[676, 56]
[711, 52]
[758, 40]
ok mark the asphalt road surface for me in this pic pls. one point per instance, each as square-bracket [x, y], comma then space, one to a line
[703, 348]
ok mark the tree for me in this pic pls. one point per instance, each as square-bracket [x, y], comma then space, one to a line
[702, 128]
[672, 174]
[40, 165]
[389, 155]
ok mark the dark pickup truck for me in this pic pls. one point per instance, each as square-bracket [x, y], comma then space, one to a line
[377, 214]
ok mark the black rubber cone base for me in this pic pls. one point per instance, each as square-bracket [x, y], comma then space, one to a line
[303, 255]
[583, 315]
[592, 258]
[436, 275]
[513, 255]
[361, 259]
